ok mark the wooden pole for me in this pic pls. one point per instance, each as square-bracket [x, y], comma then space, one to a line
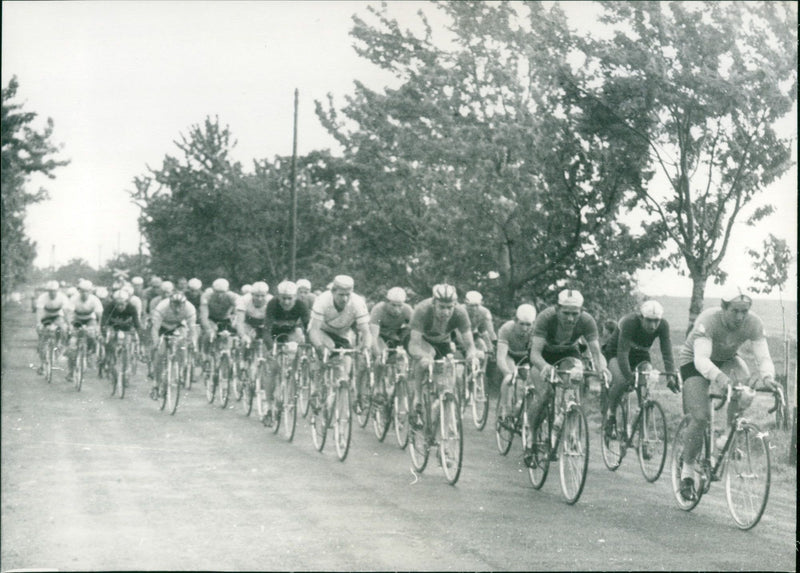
[294, 190]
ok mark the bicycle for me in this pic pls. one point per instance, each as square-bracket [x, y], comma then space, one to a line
[363, 404]
[335, 408]
[118, 360]
[743, 461]
[562, 434]
[446, 434]
[252, 387]
[49, 349]
[647, 432]
[398, 368]
[81, 350]
[779, 409]
[471, 387]
[170, 371]
[303, 372]
[383, 395]
[220, 367]
[285, 398]
[505, 430]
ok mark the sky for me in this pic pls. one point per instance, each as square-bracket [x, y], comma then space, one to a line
[123, 80]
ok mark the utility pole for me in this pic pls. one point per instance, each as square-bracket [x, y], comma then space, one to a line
[294, 190]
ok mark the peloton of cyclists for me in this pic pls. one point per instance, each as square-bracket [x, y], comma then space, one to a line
[51, 308]
[172, 314]
[84, 310]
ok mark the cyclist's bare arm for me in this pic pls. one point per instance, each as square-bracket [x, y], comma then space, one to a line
[537, 360]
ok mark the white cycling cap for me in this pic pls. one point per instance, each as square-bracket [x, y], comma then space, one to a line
[396, 294]
[72, 291]
[167, 287]
[101, 292]
[526, 313]
[343, 282]
[137, 281]
[304, 283]
[84, 284]
[570, 297]
[220, 285]
[473, 297]
[246, 289]
[195, 284]
[287, 288]
[651, 309]
[735, 293]
[259, 287]
[51, 285]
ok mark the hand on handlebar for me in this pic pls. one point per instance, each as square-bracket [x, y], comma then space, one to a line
[672, 382]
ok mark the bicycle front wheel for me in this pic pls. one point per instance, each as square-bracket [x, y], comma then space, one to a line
[343, 422]
[536, 449]
[503, 435]
[247, 397]
[480, 402]
[419, 445]
[210, 378]
[652, 443]
[80, 368]
[676, 465]
[173, 386]
[49, 364]
[612, 445]
[224, 372]
[303, 387]
[289, 414]
[451, 442]
[400, 408]
[573, 458]
[747, 476]
[122, 377]
[362, 406]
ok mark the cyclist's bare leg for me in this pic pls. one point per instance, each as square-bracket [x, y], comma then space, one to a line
[615, 390]
[696, 406]
[541, 396]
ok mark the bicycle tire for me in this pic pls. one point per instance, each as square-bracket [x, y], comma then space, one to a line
[503, 436]
[48, 364]
[247, 398]
[303, 386]
[676, 464]
[238, 383]
[480, 401]
[652, 442]
[536, 449]
[400, 407]
[320, 418]
[210, 379]
[382, 403]
[613, 449]
[80, 367]
[748, 476]
[162, 384]
[123, 382]
[187, 370]
[343, 422]
[224, 374]
[289, 414]
[173, 385]
[573, 458]
[419, 447]
[451, 442]
[260, 393]
[362, 405]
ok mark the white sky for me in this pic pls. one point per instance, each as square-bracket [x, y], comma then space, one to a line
[122, 80]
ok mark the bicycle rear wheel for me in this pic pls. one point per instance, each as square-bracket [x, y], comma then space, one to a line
[210, 379]
[49, 364]
[573, 458]
[173, 385]
[480, 402]
[362, 406]
[652, 442]
[238, 383]
[224, 373]
[303, 386]
[289, 413]
[451, 442]
[343, 422]
[536, 449]
[747, 476]
[400, 408]
[503, 435]
[122, 381]
[676, 465]
[419, 445]
[247, 398]
[80, 368]
[613, 447]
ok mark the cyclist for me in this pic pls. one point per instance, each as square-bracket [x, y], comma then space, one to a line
[85, 309]
[151, 292]
[165, 290]
[629, 346]
[514, 342]
[51, 308]
[251, 318]
[480, 318]
[432, 324]
[246, 289]
[171, 314]
[218, 309]
[194, 291]
[304, 292]
[556, 335]
[182, 284]
[389, 321]
[138, 287]
[334, 315]
[287, 316]
[121, 314]
[709, 350]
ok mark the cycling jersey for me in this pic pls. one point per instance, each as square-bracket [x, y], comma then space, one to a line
[630, 336]
[481, 320]
[85, 311]
[281, 321]
[51, 308]
[391, 325]
[709, 328]
[253, 316]
[218, 306]
[167, 317]
[561, 341]
[518, 341]
[193, 296]
[434, 331]
[121, 319]
[334, 321]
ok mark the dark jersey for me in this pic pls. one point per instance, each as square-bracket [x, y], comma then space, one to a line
[121, 319]
[280, 321]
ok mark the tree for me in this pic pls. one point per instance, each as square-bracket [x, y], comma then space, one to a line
[483, 160]
[74, 270]
[715, 77]
[135, 265]
[25, 151]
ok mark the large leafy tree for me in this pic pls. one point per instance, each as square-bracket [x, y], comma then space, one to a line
[716, 77]
[484, 161]
[25, 152]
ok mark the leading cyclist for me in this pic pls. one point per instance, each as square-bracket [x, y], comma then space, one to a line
[514, 343]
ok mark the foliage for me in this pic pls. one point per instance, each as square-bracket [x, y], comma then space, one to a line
[25, 152]
[771, 264]
[715, 78]
[483, 160]
[135, 265]
[74, 270]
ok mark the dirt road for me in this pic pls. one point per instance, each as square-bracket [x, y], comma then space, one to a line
[94, 482]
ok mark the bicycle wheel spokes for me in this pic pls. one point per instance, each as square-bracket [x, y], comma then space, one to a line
[173, 385]
[652, 441]
[260, 392]
[303, 387]
[122, 378]
[319, 427]
[289, 414]
[210, 379]
[536, 449]
[612, 446]
[400, 413]
[224, 372]
[747, 477]
[573, 459]
[504, 435]
[451, 442]
[49, 363]
[343, 422]
[381, 414]
[480, 402]
[363, 405]
[248, 391]
[80, 367]
[676, 465]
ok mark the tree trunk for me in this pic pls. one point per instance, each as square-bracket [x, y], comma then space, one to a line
[696, 305]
